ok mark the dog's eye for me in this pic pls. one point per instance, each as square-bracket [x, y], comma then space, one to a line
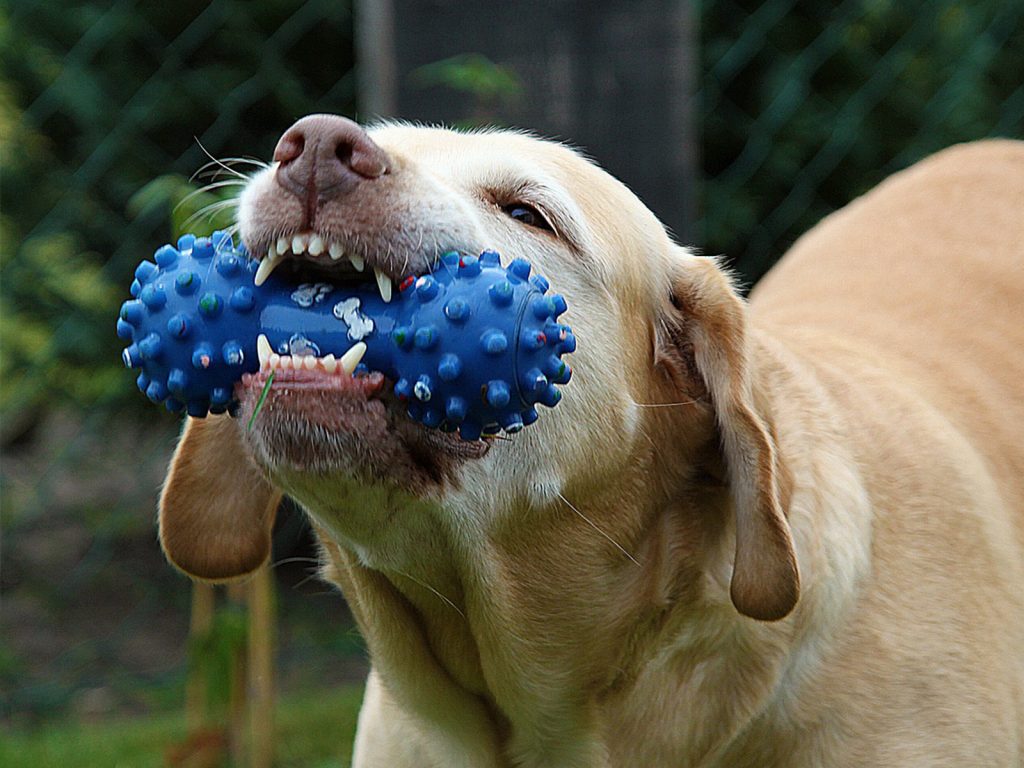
[527, 214]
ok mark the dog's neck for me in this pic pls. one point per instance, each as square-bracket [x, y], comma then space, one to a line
[555, 653]
[551, 647]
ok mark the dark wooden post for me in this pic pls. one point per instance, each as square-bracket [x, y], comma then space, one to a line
[614, 77]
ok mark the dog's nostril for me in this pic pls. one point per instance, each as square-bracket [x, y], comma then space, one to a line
[289, 148]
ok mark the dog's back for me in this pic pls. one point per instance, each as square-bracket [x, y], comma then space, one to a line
[907, 306]
[924, 277]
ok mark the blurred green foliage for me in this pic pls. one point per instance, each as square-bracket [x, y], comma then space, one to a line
[107, 109]
[494, 88]
[314, 730]
[806, 105]
[471, 73]
[212, 654]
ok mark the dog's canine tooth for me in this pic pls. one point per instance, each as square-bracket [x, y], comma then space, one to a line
[336, 251]
[269, 263]
[283, 245]
[316, 245]
[352, 358]
[329, 363]
[299, 243]
[357, 262]
[263, 350]
[384, 283]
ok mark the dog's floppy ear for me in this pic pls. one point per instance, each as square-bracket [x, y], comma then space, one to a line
[706, 326]
[216, 509]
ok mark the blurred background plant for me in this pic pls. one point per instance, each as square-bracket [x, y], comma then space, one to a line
[108, 110]
[492, 88]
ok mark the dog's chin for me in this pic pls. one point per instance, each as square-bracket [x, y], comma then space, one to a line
[313, 423]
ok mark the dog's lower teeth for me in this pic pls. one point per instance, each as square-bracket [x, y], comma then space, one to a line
[263, 350]
[351, 359]
[270, 360]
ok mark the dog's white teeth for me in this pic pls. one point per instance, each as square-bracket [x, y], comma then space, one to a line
[336, 251]
[352, 358]
[270, 360]
[384, 283]
[272, 259]
[283, 244]
[299, 243]
[272, 249]
[357, 262]
[316, 245]
[263, 350]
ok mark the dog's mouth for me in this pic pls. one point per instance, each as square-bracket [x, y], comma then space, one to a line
[310, 413]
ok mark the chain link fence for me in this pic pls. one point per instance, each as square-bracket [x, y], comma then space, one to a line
[803, 106]
[807, 105]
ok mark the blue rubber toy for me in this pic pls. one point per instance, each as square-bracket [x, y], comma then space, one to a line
[472, 347]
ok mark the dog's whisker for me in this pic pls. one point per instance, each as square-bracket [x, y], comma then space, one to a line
[288, 560]
[308, 579]
[208, 211]
[245, 161]
[221, 183]
[453, 606]
[594, 525]
[217, 174]
[201, 214]
[223, 165]
[203, 189]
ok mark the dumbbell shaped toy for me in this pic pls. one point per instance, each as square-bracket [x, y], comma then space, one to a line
[472, 346]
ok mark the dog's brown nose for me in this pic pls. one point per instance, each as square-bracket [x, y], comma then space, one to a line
[324, 156]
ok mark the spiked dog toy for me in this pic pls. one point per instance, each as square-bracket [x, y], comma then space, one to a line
[474, 346]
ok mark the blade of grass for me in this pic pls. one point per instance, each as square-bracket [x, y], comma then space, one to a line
[259, 403]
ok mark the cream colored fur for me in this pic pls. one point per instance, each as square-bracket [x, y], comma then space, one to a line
[783, 534]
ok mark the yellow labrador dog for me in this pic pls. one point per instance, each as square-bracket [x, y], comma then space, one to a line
[789, 533]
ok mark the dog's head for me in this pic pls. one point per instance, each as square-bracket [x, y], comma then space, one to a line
[660, 418]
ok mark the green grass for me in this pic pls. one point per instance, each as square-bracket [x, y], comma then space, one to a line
[314, 730]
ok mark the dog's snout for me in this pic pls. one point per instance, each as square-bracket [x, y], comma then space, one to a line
[323, 156]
